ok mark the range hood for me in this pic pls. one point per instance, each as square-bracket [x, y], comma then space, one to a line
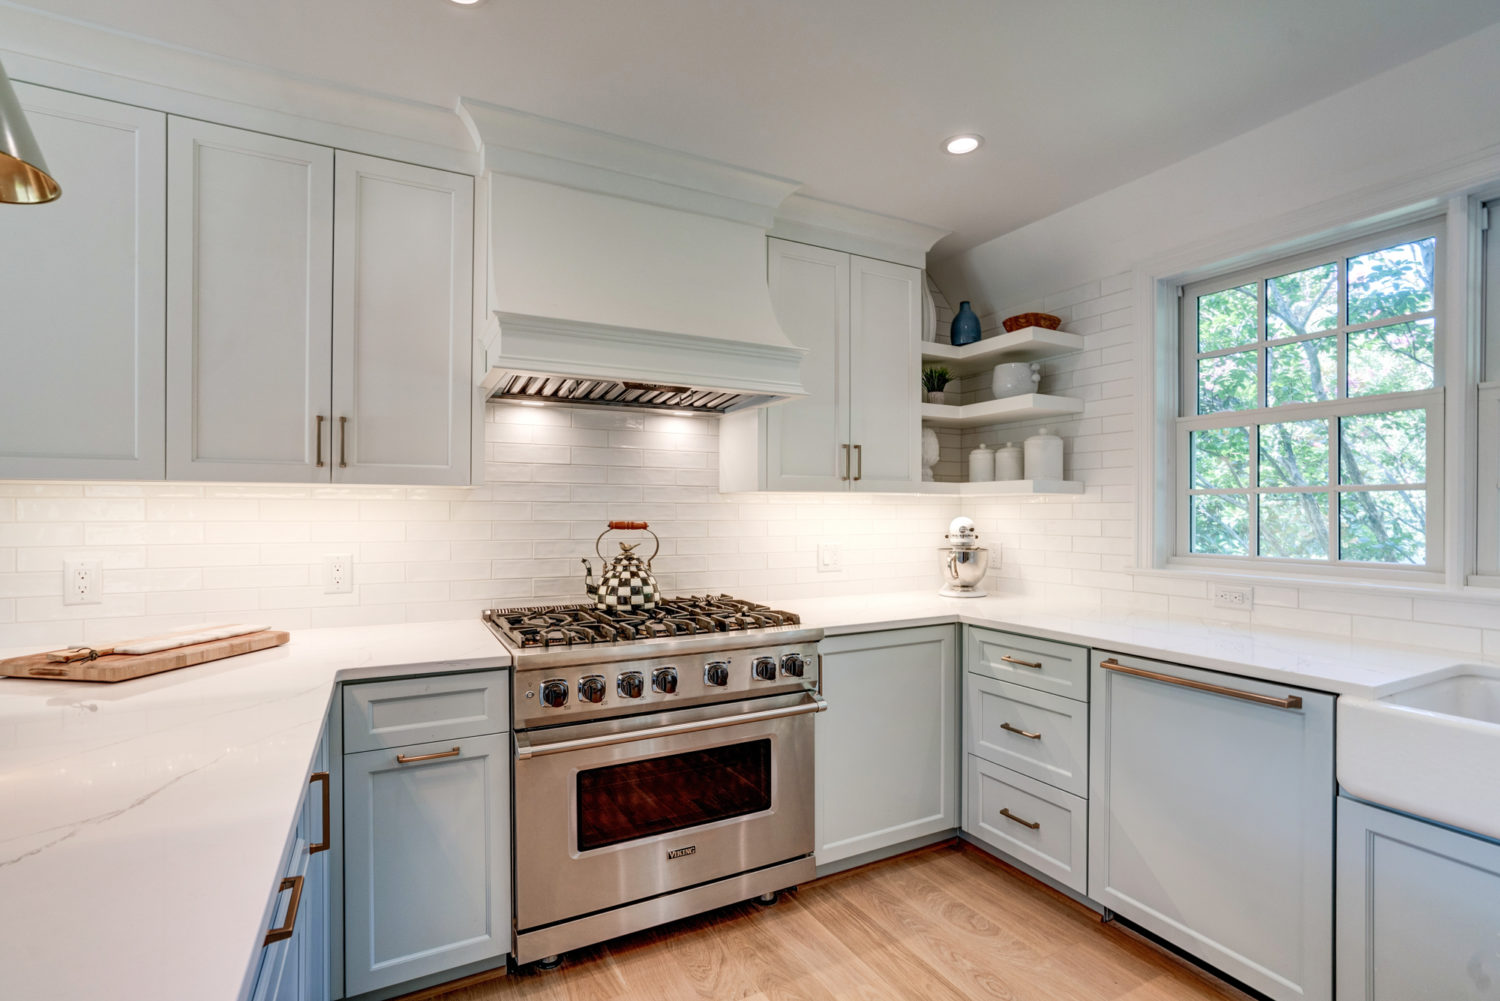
[626, 275]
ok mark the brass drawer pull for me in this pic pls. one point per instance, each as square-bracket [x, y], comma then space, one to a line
[402, 759]
[846, 463]
[327, 842]
[1280, 702]
[1035, 825]
[293, 883]
[318, 434]
[859, 456]
[1025, 733]
[1022, 663]
[343, 442]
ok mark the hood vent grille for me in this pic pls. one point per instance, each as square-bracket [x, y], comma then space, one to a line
[611, 393]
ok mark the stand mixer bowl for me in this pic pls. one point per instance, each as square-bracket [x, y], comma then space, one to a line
[964, 570]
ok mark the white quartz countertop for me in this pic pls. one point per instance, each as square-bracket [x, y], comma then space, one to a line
[1341, 665]
[142, 824]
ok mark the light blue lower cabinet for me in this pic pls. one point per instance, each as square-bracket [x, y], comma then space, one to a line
[1030, 821]
[1211, 818]
[426, 859]
[1418, 910]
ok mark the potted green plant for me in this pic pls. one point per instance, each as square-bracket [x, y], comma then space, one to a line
[933, 380]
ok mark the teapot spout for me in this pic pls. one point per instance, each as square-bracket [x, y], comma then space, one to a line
[590, 588]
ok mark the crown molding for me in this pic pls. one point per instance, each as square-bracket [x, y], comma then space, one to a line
[544, 149]
[50, 50]
[805, 219]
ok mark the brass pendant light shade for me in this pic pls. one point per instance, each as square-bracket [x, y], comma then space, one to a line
[24, 179]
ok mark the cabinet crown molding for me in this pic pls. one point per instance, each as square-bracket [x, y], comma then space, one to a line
[805, 219]
[544, 149]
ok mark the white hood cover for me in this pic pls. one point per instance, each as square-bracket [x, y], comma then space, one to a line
[615, 265]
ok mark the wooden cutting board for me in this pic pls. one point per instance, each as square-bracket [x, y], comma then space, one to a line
[123, 667]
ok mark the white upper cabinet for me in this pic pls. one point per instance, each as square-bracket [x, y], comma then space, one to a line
[402, 323]
[249, 329]
[81, 294]
[858, 428]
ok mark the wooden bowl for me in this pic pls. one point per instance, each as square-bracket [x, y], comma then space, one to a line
[1022, 320]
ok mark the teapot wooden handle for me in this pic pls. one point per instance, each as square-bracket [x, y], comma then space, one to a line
[628, 526]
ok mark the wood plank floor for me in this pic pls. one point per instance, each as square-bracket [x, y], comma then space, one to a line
[947, 923]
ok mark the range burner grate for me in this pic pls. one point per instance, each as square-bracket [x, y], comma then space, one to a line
[582, 624]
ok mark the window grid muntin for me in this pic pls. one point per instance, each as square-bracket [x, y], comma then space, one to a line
[1339, 405]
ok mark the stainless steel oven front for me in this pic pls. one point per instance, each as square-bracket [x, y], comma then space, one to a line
[619, 816]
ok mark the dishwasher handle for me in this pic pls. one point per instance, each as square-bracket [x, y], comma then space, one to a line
[1280, 702]
[526, 749]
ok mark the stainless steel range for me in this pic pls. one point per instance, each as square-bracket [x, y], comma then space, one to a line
[664, 763]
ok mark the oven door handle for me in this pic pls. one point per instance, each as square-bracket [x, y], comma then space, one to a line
[526, 749]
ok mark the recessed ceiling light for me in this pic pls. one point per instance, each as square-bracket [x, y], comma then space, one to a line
[966, 143]
[466, 3]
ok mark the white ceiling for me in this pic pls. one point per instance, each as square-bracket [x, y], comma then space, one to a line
[851, 97]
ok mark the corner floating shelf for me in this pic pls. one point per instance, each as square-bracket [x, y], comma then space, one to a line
[1001, 488]
[1012, 409]
[1026, 344]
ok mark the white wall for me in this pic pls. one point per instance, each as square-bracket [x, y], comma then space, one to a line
[182, 554]
[1438, 113]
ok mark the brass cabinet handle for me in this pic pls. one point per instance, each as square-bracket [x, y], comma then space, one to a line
[1280, 702]
[293, 883]
[327, 842]
[859, 456]
[343, 442]
[1035, 825]
[402, 759]
[846, 463]
[318, 434]
[1025, 733]
[1023, 663]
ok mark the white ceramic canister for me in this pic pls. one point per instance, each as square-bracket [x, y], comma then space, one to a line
[981, 465]
[1044, 456]
[1008, 462]
[1015, 378]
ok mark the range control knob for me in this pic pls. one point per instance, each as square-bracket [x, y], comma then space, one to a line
[764, 668]
[664, 680]
[716, 673]
[554, 693]
[591, 688]
[792, 665]
[630, 685]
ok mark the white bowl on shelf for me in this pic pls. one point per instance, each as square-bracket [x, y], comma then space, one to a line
[1015, 378]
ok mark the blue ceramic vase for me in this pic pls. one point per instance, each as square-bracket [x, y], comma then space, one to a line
[965, 328]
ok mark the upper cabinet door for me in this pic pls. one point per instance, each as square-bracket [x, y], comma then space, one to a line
[402, 322]
[249, 328]
[884, 406]
[81, 294]
[806, 439]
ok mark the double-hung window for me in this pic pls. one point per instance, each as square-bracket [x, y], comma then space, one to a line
[1310, 428]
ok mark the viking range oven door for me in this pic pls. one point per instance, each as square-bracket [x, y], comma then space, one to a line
[616, 811]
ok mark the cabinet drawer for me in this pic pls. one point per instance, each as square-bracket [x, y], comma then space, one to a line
[382, 714]
[1059, 668]
[1038, 734]
[1043, 827]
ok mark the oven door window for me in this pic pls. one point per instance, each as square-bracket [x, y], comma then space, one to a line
[639, 799]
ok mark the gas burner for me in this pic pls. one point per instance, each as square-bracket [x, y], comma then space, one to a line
[582, 624]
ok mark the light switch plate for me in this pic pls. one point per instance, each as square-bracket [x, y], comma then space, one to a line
[830, 557]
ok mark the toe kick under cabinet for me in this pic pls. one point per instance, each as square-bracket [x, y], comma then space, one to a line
[1025, 739]
[1211, 818]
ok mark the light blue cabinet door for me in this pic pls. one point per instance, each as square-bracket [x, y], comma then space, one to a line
[886, 749]
[1418, 909]
[426, 859]
[1211, 819]
[281, 967]
[314, 924]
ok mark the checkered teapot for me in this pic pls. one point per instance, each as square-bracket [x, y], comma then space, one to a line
[624, 582]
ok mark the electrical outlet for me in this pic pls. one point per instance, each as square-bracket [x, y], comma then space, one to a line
[82, 582]
[1233, 597]
[338, 573]
[830, 557]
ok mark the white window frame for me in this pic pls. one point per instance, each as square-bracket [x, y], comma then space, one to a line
[1431, 401]
[1487, 513]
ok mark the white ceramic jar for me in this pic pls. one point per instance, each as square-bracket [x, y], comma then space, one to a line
[1044, 456]
[1015, 378]
[1008, 462]
[981, 465]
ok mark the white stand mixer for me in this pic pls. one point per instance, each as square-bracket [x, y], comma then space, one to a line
[965, 562]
